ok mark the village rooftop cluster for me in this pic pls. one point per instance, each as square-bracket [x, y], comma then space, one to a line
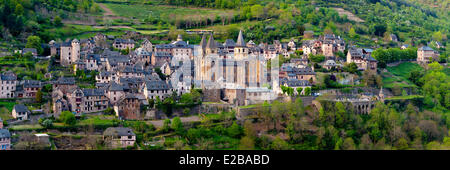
[132, 74]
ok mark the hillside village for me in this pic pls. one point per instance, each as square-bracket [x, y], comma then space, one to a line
[115, 79]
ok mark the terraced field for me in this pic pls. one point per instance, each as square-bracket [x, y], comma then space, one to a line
[164, 12]
[398, 75]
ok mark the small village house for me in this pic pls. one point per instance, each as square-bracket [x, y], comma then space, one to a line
[5, 139]
[119, 137]
[21, 112]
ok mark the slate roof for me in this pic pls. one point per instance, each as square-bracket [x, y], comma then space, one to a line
[303, 71]
[295, 70]
[425, 48]
[370, 58]
[105, 73]
[240, 41]
[66, 44]
[229, 43]
[32, 84]
[66, 81]
[211, 43]
[294, 60]
[355, 52]
[20, 108]
[93, 57]
[114, 60]
[9, 76]
[115, 87]
[4, 133]
[118, 132]
[108, 52]
[123, 41]
[330, 63]
[131, 69]
[203, 41]
[162, 54]
[141, 51]
[295, 82]
[93, 92]
[180, 44]
[157, 85]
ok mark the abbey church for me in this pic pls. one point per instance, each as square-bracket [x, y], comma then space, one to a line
[229, 72]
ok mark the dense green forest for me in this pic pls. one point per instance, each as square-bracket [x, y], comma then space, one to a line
[21, 18]
[364, 23]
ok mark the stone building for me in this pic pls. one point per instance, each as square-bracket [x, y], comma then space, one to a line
[128, 107]
[55, 48]
[296, 85]
[156, 88]
[5, 139]
[65, 84]
[87, 100]
[239, 69]
[159, 58]
[8, 83]
[21, 112]
[181, 49]
[292, 46]
[147, 45]
[28, 89]
[305, 73]
[69, 52]
[426, 54]
[119, 137]
[92, 61]
[363, 60]
[142, 56]
[115, 92]
[123, 44]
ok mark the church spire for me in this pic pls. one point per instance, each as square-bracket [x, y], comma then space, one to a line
[179, 38]
[211, 43]
[381, 95]
[203, 41]
[240, 41]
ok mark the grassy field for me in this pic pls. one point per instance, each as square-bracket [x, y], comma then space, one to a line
[8, 104]
[26, 127]
[164, 12]
[86, 31]
[404, 97]
[5, 109]
[98, 121]
[398, 75]
[404, 69]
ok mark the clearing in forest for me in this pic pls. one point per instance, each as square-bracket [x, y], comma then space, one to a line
[350, 15]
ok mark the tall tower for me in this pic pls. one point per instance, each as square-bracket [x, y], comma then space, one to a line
[179, 38]
[203, 45]
[381, 95]
[211, 46]
[75, 53]
[240, 50]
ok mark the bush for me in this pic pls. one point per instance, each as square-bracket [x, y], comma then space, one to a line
[68, 118]
[177, 125]
[47, 123]
[316, 58]
[234, 130]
